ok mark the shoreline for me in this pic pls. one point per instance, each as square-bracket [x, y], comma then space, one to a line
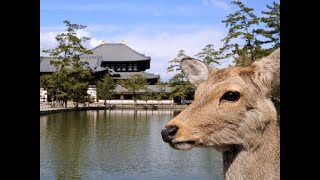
[113, 107]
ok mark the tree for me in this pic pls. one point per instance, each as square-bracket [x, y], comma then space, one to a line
[47, 83]
[105, 88]
[72, 74]
[134, 83]
[240, 26]
[209, 55]
[76, 85]
[148, 95]
[179, 82]
[161, 93]
[272, 23]
[243, 57]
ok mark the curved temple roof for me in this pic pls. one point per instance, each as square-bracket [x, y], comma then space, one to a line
[116, 52]
[111, 52]
[94, 64]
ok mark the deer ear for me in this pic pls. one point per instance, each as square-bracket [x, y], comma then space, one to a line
[267, 70]
[196, 71]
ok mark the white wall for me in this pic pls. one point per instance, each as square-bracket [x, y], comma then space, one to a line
[43, 95]
[93, 93]
[129, 101]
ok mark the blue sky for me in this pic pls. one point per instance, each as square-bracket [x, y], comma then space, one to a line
[156, 28]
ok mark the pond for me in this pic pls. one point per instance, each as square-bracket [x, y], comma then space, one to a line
[118, 144]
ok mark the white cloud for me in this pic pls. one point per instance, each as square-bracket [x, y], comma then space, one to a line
[216, 3]
[94, 42]
[164, 46]
[221, 4]
[47, 40]
[83, 33]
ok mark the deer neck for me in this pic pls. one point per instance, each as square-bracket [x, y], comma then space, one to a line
[261, 162]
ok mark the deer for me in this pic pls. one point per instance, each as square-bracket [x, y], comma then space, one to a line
[232, 112]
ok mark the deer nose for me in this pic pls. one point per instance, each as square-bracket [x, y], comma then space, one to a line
[168, 133]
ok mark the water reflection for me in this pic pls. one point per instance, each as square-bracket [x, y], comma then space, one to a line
[118, 144]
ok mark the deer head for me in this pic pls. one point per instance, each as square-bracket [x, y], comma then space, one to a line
[232, 106]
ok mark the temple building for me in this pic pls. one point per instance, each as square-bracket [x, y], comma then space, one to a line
[117, 59]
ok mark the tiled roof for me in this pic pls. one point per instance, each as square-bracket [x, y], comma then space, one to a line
[94, 64]
[45, 65]
[115, 52]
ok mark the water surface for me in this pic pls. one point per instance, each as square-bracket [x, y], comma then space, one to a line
[118, 144]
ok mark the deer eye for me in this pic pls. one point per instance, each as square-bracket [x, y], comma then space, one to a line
[231, 96]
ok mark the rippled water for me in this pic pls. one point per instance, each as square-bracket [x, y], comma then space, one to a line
[118, 144]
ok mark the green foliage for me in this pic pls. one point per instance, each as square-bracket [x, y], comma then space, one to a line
[209, 55]
[148, 95]
[69, 47]
[243, 41]
[243, 58]
[272, 23]
[161, 90]
[179, 82]
[134, 83]
[47, 82]
[241, 24]
[72, 75]
[179, 86]
[105, 88]
[175, 67]
[175, 63]
[76, 84]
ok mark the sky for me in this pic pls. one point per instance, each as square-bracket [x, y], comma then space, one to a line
[156, 28]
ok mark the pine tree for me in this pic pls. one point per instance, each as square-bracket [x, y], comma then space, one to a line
[209, 55]
[179, 82]
[105, 88]
[147, 95]
[272, 23]
[134, 83]
[47, 82]
[72, 75]
[240, 26]
[161, 93]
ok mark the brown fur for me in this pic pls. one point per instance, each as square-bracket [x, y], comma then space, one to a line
[245, 131]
